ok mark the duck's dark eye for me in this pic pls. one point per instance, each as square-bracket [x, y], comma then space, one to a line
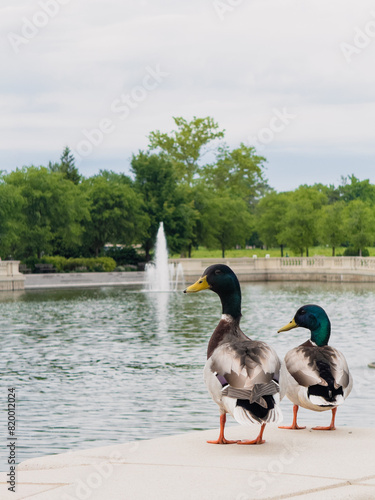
[217, 271]
[302, 311]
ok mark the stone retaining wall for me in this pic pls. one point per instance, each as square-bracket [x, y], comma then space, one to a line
[10, 276]
[345, 269]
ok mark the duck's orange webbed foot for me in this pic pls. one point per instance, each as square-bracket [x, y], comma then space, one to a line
[294, 425]
[258, 440]
[324, 428]
[331, 427]
[221, 439]
[254, 441]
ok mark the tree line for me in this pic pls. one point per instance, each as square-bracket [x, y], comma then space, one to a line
[205, 193]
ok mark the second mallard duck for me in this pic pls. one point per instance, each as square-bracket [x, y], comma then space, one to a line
[241, 374]
[316, 375]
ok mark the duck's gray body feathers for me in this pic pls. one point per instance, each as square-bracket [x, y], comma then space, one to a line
[242, 375]
[317, 377]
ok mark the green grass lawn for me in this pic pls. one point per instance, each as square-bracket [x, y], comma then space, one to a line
[202, 252]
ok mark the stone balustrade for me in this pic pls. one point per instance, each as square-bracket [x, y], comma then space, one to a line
[10, 276]
[315, 268]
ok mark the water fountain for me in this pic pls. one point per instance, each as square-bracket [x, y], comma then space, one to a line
[161, 276]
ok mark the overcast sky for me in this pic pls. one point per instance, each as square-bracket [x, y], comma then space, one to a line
[296, 78]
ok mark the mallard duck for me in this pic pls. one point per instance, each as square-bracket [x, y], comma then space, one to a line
[316, 375]
[241, 374]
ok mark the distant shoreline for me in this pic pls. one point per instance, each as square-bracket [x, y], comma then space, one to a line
[83, 280]
[248, 270]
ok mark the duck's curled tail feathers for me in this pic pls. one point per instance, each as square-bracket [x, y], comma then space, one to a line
[260, 404]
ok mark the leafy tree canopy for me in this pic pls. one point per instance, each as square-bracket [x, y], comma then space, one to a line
[299, 228]
[270, 218]
[53, 210]
[225, 221]
[164, 200]
[330, 225]
[359, 224]
[116, 213]
[186, 145]
[356, 189]
[239, 170]
[66, 167]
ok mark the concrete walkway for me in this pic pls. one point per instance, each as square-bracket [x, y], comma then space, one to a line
[305, 464]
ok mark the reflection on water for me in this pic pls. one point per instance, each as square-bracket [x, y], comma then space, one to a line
[105, 366]
[158, 309]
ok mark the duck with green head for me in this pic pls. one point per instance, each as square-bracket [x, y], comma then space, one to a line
[315, 375]
[241, 374]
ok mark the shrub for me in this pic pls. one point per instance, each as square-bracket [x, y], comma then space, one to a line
[81, 264]
[125, 255]
[99, 264]
[354, 252]
[30, 262]
[57, 261]
[121, 269]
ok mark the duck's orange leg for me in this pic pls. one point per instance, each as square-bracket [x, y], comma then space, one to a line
[294, 423]
[331, 426]
[258, 440]
[221, 439]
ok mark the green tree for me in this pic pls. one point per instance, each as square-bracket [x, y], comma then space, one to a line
[239, 171]
[66, 167]
[10, 219]
[186, 145]
[332, 193]
[359, 224]
[119, 178]
[330, 225]
[155, 180]
[53, 210]
[300, 223]
[356, 189]
[270, 219]
[116, 213]
[224, 222]
[164, 201]
[180, 218]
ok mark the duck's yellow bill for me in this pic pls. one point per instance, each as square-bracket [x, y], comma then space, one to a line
[199, 285]
[287, 327]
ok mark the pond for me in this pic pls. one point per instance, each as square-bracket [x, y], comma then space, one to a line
[93, 367]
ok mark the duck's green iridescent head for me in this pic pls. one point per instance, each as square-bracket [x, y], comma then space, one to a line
[221, 279]
[315, 319]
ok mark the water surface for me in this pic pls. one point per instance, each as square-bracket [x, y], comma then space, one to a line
[93, 367]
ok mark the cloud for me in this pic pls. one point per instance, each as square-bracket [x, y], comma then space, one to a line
[258, 56]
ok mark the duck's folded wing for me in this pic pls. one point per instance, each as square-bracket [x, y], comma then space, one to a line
[339, 369]
[301, 365]
[308, 365]
[246, 363]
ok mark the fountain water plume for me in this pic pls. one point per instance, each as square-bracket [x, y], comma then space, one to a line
[161, 276]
